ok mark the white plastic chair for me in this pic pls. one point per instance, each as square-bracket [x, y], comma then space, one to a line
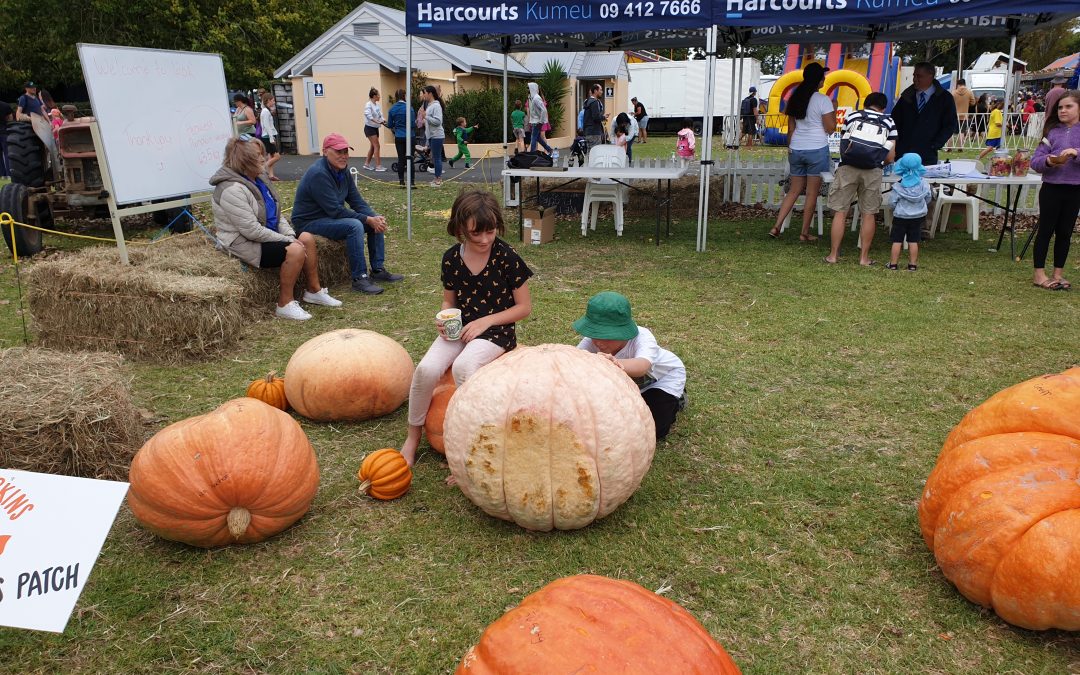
[944, 203]
[603, 189]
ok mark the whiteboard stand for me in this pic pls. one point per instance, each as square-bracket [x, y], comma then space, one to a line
[115, 211]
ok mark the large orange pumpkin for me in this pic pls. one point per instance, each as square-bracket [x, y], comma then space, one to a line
[384, 474]
[237, 475]
[549, 437]
[269, 390]
[592, 624]
[1001, 510]
[348, 374]
[433, 424]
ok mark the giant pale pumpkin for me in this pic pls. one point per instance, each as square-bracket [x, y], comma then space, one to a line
[436, 414]
[592, 624]
[348, 374]
[1001, 510]
[549, 437]
[237, 475]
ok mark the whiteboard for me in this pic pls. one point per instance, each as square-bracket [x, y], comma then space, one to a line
[163, 116]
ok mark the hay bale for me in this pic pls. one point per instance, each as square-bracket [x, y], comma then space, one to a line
[178, 300]
[68, 414]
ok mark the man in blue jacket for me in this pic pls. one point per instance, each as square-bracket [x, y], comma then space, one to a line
[319, 209]
[925, 116]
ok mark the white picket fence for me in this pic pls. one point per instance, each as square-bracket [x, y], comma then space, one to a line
[758, 181]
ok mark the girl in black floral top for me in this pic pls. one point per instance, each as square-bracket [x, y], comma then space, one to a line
[489, 282]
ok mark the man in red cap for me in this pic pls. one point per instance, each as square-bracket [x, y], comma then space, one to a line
[320, 209]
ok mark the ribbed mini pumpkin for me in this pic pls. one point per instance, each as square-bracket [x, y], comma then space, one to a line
[384, 474]
[237, 475]
[436, 414]
[593, 624]
[549, 437]
[348, 374]
[1001, 510]
[270, 390]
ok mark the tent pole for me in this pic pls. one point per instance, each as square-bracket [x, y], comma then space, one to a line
[732, 156]
[705, 169]
[737, 114]
[408, 159]
[1009, 78]
[959, 63]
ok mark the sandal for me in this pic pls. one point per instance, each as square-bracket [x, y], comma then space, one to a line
[912, 268]
[1049, 285]
[1064, 283]
[774, 232]
[869, 263]
[807, 238]
[892, 266]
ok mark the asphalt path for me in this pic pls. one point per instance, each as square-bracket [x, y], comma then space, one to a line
[292, 167]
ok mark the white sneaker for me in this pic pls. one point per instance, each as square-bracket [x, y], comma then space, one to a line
[321, 297]
[368, 168]
[431, 169]
[380, 168]
[293, 311]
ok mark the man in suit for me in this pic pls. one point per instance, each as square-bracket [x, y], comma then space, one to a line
[925, 116]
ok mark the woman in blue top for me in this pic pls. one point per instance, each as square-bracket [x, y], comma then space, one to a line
[397, 120]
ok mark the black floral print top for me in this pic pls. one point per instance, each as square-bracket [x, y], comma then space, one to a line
[489, 292]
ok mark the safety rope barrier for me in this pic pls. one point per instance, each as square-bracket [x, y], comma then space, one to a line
[358, 173]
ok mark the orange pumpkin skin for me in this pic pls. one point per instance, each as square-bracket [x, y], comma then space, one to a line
[384, 474]
[433, 424]
[1000, 509]
[592, 624]
[237, 475]
[269, 390]
[348, 374]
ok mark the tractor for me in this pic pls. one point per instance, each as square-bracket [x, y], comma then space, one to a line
[60, 180]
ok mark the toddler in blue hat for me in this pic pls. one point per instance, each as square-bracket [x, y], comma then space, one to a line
[610, 331]
[910, 198]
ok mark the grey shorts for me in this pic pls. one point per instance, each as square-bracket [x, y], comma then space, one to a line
[643, 123]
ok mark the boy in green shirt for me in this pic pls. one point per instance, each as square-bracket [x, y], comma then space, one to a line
[517, 120]
[461, 135]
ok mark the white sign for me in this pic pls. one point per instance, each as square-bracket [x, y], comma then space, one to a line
[318, 88]
[609, 92]
[51, 531]
[163, 115]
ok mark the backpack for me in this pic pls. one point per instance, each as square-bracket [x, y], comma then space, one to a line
[749, 106]
[527, 160]
[684, 146]
[864, 143]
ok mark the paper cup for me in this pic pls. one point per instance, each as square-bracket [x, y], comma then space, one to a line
[450, 319]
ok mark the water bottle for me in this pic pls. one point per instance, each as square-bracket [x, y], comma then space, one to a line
[673, 159]
[555, 157]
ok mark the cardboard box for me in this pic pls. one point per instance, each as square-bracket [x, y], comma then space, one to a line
[537, 228]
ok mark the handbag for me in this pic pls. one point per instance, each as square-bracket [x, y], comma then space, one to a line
[528, 160]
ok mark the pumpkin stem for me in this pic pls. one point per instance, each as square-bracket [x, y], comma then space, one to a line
[365, 485]
[238, 519]
[270, 376]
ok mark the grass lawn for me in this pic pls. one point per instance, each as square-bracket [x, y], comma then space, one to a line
[780, 511]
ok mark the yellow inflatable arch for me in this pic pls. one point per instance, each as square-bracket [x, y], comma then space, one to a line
[776, 120]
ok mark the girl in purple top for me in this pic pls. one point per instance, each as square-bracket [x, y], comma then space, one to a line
[1059, 199]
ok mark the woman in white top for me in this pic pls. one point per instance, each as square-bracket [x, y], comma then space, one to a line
[433, 129]
[811, 118]
[269, 135]
[373, 119]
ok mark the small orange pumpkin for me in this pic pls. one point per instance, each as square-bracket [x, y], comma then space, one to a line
[269, 390]
[384, 474]
[433, 425]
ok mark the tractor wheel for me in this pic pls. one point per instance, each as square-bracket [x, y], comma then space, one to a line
[26, 155]
[15, 200]
[180, 223]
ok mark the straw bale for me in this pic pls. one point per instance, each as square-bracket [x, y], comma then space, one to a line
[67, 413]
[178, 300]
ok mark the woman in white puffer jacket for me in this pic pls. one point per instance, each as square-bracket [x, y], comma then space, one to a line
[250, 226]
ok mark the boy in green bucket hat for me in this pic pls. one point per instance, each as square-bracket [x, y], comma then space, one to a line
[610, 331]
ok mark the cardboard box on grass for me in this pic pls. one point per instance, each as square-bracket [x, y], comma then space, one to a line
[538, 226]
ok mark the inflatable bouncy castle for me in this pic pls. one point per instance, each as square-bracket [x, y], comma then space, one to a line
[854, 71]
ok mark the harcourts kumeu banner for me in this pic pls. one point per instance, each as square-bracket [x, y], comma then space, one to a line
[873, 12]
[487, 17]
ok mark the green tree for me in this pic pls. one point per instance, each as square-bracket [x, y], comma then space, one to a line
[554, 86]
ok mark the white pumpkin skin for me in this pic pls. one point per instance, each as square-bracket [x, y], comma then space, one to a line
[549, 437]
[348, 374]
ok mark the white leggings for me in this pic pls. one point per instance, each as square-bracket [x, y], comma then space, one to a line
[465, 359]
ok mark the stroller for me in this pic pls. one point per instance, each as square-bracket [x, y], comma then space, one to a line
[421, 159]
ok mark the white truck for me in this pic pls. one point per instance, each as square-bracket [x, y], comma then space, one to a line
[672, 91]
